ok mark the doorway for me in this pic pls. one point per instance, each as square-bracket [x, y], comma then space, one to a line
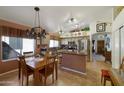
[100, 47]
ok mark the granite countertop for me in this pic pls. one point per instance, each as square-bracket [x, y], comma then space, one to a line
[74, 53]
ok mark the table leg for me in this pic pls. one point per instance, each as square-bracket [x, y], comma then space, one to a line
[19, 71]
[37, 77]
[56, 70]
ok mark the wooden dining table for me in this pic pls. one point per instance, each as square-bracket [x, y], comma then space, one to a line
[117, 77]
[36, 64]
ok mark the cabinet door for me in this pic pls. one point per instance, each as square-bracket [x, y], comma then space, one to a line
[100, 46]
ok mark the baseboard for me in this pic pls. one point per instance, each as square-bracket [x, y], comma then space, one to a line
[73, 70]
[8, 72]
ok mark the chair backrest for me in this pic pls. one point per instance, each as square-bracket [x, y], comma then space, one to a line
[28, 54]
[23, 64]
[122, 64]
[50, 61]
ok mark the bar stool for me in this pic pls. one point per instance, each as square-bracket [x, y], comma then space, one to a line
[105, 75]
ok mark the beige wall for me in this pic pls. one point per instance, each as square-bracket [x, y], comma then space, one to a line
[116, 11]
[46, 40]
[117, 23]
[50, 36]
[8, 66]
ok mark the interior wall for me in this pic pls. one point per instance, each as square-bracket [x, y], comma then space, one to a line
[103, 36]
[50, 36]
[8, 66]
[117, 10]
[46, 40]
[117, 23]
[104, 18]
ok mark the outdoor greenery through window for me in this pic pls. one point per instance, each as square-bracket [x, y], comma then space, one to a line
[13, 46]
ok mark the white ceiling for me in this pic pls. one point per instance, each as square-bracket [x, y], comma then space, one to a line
[53, 17]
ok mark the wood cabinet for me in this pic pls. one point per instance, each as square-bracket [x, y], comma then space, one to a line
[107, 56]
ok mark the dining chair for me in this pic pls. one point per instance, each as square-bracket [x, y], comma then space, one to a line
[122, 65]
[19, 69]
[105, 75]
[121, 68]
[56, 66]
[28, 54]
[25, 71]
[48, 69]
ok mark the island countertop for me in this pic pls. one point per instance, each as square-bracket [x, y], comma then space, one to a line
[74, 53]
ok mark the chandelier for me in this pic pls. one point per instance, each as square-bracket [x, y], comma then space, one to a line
[36, 32]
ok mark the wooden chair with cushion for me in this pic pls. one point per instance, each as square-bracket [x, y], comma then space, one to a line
[122, 65]
[49, 68]
[25, 71]
[105, 75]
[56, 66]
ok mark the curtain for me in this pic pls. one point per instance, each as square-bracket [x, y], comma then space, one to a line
[16, 43]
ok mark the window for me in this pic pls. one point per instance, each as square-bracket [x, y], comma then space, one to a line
[13, 46]
[28, 45]
[51, 43]
[54, 43]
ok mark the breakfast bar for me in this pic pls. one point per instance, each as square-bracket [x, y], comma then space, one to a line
[74, 61]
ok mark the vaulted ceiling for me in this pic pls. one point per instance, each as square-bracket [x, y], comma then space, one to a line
[54, 18]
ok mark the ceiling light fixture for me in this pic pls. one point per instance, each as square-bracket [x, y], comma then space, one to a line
[60, 30]
[71, 20]
[36, 32]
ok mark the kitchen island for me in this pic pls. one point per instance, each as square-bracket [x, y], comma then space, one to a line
[74, 61]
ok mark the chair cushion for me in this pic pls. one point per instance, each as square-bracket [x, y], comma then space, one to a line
[105, 73]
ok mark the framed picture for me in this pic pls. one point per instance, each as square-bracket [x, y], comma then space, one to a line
[101, 27]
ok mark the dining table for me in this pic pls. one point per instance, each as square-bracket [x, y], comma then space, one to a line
[36, 64]
[117, 77]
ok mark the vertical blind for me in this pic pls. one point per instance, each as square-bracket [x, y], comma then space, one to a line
[15, 43]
